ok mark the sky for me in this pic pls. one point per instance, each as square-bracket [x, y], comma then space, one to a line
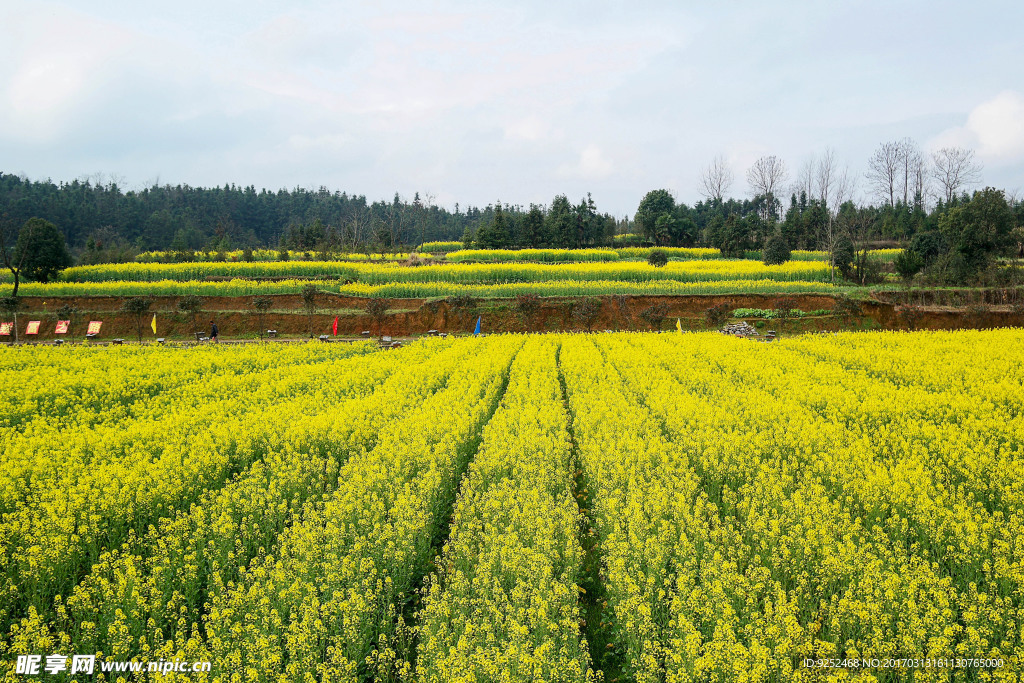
[478, 102]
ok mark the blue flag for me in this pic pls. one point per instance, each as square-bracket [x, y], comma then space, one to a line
[477, 330]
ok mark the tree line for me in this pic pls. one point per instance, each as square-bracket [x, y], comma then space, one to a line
[920, 202]
[102, 222]
[913, 199]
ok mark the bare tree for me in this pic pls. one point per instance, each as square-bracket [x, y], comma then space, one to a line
[955, 168]
[909, 159]
[825, 176]
[805, 179]
[766, 175]
[883, 171]
[765, 178]
[716, 179]
[919, 178]
[834, 186]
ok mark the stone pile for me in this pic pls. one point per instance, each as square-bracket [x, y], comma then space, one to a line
[740, 329]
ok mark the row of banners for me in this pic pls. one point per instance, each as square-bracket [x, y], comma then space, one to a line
[7, 329]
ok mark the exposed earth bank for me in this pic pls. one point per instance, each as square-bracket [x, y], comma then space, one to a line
[407, 317]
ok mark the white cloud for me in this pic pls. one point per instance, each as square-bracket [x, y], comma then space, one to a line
[995, 129]
[54, 63]
[531, 129]
[592, 165]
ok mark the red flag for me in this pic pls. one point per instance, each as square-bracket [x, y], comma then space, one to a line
[335, 326]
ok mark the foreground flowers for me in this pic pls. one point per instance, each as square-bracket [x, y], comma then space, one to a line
[641, 507]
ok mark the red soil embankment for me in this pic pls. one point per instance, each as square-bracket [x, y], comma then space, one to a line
[417, 316]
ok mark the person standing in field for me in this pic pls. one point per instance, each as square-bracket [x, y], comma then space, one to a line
[214, 332]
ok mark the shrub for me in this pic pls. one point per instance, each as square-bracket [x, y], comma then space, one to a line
[310, 298]
[655, 315]
[260, 306]
[68, 312]
[527, 308]
[191, 304]
[976, 314]
[657, 258]
[846, 308]
[776, 250]
[911, 315]
[716, 316]
[377, 309]
[586, 311]
[784, 309]
[908, 263]
[462, 302]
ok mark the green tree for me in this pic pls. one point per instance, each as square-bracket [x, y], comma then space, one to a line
[41, 250]
[976, 232]
[533, 228]
[776, 250]
[500, 236]
[560, 224]
[655, 204]
[843, 255]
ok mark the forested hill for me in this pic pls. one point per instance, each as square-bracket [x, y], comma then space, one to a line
[184, 217]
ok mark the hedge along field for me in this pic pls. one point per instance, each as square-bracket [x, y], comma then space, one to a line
[883, 255]
[440, 247]
[577, 255]
[428, 513]
[532, 255]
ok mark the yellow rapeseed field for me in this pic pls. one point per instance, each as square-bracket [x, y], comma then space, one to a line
[631, 507]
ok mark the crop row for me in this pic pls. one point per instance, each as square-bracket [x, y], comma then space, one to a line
[505, 603]
[425, 290]
[470, 273]
[156, 588]
[74, 494]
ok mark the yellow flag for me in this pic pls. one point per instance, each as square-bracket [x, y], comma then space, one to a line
[679, 326]
[153, 324]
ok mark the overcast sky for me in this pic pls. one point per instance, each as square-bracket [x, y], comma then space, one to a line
[486, 101]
